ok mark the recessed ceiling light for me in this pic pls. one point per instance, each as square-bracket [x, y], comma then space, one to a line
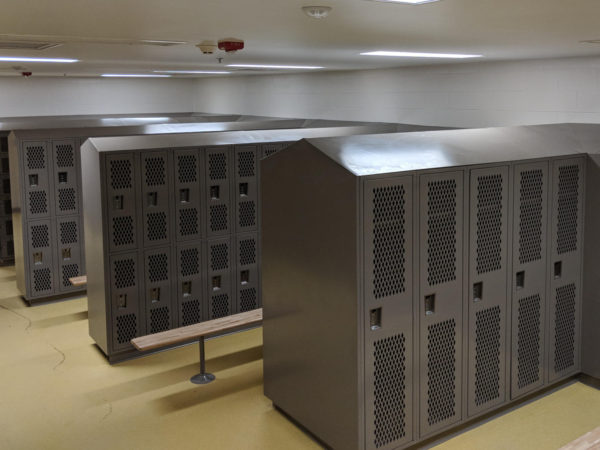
[407, 2]
[133, 75]
[268, 66]
[215, 72]
[316, 12]
[41, 60]
[420, 55]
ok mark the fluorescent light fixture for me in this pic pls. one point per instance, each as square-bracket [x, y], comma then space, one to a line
[136, 119]
[420, 55]
[215, 72]
[407, 2]
[133, 75]
[41, 60]
[268, 66]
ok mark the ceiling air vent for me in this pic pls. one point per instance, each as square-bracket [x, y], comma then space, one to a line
[27, 45]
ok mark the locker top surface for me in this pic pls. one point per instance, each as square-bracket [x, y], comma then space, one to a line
[148, 142]
[376, 154]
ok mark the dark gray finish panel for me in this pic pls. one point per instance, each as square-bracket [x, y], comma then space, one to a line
[70, 255]
[188, 194]
[41, 256]
[218, 175]
[156, 197]
[220, 270]
[245, 190]
[65, 176]
[247, 272]
[38, 185]
[191, 269]
[161, 314]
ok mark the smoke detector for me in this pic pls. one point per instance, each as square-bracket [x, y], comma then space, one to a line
[207, 47]
[316, 12]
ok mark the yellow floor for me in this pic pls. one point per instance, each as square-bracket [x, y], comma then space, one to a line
[58, 392]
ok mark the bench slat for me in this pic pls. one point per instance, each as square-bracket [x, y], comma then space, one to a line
[184, 334]
[78, 281]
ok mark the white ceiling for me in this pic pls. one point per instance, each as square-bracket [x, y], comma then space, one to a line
[277, 32]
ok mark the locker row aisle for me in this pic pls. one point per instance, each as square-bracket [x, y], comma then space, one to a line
[149, 403]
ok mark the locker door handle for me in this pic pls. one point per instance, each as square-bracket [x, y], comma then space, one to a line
[375, 319]
[557, 270]
[478, 292]
[521, 279]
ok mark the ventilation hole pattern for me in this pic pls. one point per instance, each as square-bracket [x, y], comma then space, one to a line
[124, 273]
[441, 371]
[219, 257]
[489, 223]
[190, 312]
[126, 328]
[220, 306]
[247, 213]
[389, 389]
[247, 252]
[248, 299]
[157, 226]
[122, 230]
[528, 340]
[389, 238]
[120, 174]
[155, 171]
[246, 164]
[42, 280]
[66, 199]
[40, 236]
[564, 332]
[441, 232]
[189, 260]
[188, 221]
[38, 203]
[568, 207]
[69, 271]
[186, 167]
[218, 217]
[64, 155]
[159, 319]
[158, 267]
[36, 157]
[68, 233]
[487, 355]
[217, 166]
[531, 200]
[270, 149]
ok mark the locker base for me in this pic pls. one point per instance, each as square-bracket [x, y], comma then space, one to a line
[54, 298]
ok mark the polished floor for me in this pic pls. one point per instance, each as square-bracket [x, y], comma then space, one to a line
[58, 392]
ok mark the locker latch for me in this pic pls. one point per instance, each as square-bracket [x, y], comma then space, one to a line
[184, 195]
[520, 280]
[155, 295]
[33, 180]
[152, 198]
[429, 304]
[62, 177]
[214, 192]
[122, 301]
[38, 258]
[375, 318]
[118, 202]
[186, 288]
[478, 292]
[243, 189]
[244, 276]
[216, 283]
[557, 270]
[66, 253]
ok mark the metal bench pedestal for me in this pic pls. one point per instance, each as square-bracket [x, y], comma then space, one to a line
[202, 377]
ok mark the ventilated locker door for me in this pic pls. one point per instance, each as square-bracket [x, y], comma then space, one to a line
[41, 278]
[441, 299]
[125, 278]
[71, 261]
[389, 343]
[188, 195]
[219, 270]
[487, 298]
[565, 268]
[270, 149]
[122, 201]
[218, 215]
[246, 188]
[36, 168]
[247, 272]
[158, 296]
[528, 283]
[190, 283]
[66, 168]
[156, 198]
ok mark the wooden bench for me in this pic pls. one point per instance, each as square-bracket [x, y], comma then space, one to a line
[79, 281]
[198, 332]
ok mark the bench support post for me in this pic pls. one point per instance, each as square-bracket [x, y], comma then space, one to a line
[202, 377]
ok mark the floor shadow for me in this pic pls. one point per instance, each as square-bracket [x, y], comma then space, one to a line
[59, 320]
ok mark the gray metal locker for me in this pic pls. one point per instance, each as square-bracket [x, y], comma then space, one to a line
[528, 277]
[270, 149]
[65, 157]
[70, 257]
[488, 290]
[41, 257]
[245, 189]
[122, 199]
[156, 197]
[218, 180]
[126, 312]
[190, 283]
[220, 301]
[441, 300]
[158, 295]
[36, 164]
[188, 194]
[565, 268]
[388, 312]
[247, 276]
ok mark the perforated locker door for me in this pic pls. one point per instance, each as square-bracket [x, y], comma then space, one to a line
[218, 198]
[188, 200]
[41, 247]
[565, 267]
[125, 278]
[122, 202]
[388, 306]
[220, 297]
[190, 283]
[71, 261]
[271, 149]
[66, 170]
[488, 291]
[528, 278]
[247, 272]
[246, 188]
[158, 295]
[156, 198]
[36, 169]
[441, 299]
